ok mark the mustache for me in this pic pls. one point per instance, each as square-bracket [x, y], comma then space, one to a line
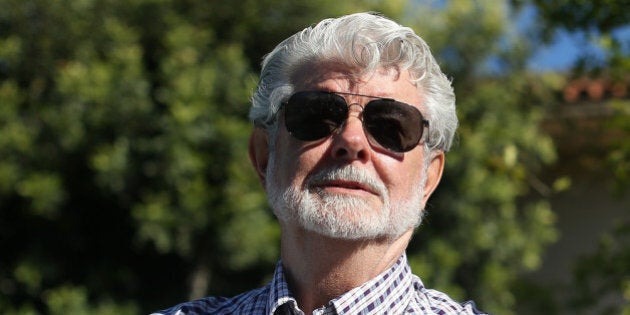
[348, 173]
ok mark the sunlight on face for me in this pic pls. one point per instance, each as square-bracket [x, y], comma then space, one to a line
[344, 216]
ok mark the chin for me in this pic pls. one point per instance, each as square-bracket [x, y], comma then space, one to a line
[345, 229]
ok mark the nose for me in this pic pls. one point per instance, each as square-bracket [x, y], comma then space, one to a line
[351, 142]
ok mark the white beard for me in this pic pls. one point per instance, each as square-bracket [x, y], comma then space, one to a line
[344, 216]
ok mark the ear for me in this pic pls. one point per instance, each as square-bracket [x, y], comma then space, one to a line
[259, 152]
[434, 174]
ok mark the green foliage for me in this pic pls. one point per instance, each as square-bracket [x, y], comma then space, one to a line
[598, 20]
[602, 15]
[602, 282]
[109, 128]
[73, 300]
[124, 173]
[619, 156]
[601, 276]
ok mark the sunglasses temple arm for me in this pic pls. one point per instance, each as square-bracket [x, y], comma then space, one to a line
[425, 124]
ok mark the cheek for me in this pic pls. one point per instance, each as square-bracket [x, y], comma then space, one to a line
[405, 185]
[293, 162]
[404, 181]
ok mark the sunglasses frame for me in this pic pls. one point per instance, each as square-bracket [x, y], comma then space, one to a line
[372, 139]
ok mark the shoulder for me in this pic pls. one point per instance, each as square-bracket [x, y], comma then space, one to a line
[431, 301]
[251, 302]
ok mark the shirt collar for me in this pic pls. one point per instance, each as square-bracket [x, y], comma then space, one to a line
[387, 292]
[279, 293]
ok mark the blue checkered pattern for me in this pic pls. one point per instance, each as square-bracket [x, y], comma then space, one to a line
[395, 291]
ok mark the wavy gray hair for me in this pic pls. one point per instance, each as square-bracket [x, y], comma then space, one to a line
[362, 42]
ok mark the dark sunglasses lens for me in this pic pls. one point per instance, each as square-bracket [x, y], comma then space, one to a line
[393, 125]
[312, 116]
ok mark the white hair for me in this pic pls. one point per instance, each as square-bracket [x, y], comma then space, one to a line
[362, 42]
[345, 216]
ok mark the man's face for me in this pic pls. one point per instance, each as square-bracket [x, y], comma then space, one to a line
[343, 187]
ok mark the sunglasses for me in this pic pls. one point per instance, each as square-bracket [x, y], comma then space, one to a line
[388, 124]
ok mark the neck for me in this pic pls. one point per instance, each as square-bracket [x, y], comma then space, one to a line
[320, 268]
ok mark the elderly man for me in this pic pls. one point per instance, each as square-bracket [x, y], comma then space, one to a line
[352, 119]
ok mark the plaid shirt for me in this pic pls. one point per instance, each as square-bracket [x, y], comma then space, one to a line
[395, 291]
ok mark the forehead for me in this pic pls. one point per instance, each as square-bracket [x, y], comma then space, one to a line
[383, 82]
[311, 74]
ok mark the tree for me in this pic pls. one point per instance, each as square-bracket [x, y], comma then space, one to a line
[598, 21]
[124, 180]
[602, 274]
[601, 283]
